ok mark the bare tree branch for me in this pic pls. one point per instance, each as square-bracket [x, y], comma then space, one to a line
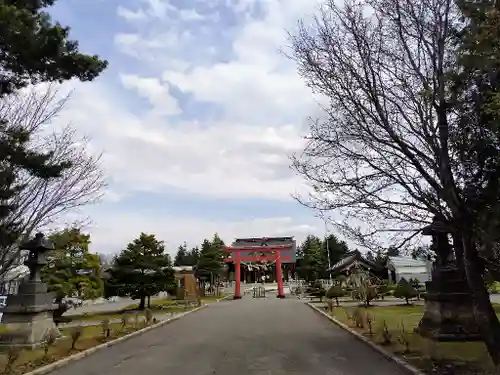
[373, 157]
[44, 203]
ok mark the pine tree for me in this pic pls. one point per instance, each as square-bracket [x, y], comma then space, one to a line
[192, 256]
[72, 271]
[181, 255]
[334, 247]
[313, 264]
[35, 49]
[210, 261]
[405, 290]
[143, 269]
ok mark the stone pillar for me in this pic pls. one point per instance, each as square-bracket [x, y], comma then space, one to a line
[448, 314]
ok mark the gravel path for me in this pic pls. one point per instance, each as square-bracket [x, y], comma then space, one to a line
[249, 336]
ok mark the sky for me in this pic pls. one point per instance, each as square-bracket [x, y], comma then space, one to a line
[196, 116]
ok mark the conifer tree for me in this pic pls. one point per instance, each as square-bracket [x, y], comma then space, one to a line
[142, 270]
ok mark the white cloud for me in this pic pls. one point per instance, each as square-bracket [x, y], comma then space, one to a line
[155, 91]
[243, 153]
[130, 15]
[212, 159]
[111, 234]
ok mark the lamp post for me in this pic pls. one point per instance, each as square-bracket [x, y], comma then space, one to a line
[327, 250]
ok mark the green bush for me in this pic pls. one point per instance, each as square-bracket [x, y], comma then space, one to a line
[335, 291]
[320, 293]
[405, 290]
[494, 287]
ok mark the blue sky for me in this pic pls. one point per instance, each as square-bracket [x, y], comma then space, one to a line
[196, 117]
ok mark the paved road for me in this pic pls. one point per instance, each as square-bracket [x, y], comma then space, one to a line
[249, 337]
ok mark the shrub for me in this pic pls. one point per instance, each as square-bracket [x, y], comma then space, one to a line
[148, 314]
[105, 328]
[350, 317]
[13, 353]
[76, 333]
[404, 338]
[383, 290]
[318, 292]
[405, 290]
[329, 305]
[335, 291]
[359, 317]
[386, 334]
[369, 322]
[124, 321]
[172, 291]
[49, 339]
[317, 285]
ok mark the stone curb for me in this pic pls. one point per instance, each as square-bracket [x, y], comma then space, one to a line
[412, 370]
[75, 357]
[223, 298]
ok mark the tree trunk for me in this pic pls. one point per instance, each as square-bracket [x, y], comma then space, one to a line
[484, 313]
[149, 302]
[337, 300]
[61, 309]
[142, 303]
[459, 252]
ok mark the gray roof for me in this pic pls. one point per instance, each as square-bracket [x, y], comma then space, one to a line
[403, 261]
[354, 256]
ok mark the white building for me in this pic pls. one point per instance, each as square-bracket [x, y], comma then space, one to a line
[408, 268]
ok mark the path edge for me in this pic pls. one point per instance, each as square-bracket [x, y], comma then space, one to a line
[75, 357]
[410, 369]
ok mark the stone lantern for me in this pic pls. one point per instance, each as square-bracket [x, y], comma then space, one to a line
[448, 314]
[28, 314]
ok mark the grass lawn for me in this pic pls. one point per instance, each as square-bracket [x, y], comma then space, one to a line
[158, 306]
[439, 358]
[91, 336]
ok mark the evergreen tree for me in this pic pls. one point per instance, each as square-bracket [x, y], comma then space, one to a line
[72, 271]
[405, 290]
[181, 256]
[210, 260]
[35, 49]
[313, 264]
[32, 49]
[143, 269]
[337, 249]
[193, 256]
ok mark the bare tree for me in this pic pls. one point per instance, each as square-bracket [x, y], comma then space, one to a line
[41, 203]
[382, 154]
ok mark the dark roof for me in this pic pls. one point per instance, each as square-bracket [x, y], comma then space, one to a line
[263, 239]
[354, 256]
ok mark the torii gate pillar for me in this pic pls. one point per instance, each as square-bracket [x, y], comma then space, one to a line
[274, 256]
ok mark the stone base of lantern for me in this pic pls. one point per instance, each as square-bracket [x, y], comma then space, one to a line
[448, 314]
[30, 331]
[28, 316]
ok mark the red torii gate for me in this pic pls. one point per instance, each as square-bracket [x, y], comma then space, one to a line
[237, 258]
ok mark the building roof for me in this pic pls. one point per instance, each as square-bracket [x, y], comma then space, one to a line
[182, 268]
[351, 258]
[404, 262]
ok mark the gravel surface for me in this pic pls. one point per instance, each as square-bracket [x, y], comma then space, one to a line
[249, 336]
